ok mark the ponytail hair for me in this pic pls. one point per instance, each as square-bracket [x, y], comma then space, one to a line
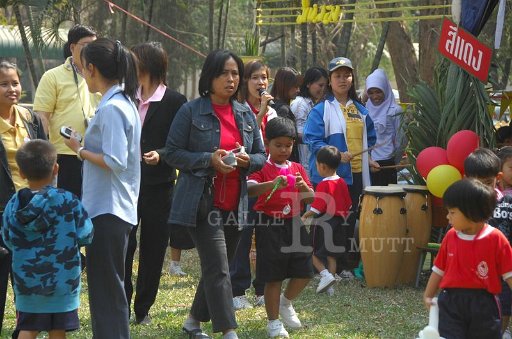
[113, 61]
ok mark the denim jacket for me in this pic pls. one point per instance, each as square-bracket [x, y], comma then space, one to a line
[193, 137]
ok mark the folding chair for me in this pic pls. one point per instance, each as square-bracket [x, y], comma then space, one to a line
[436, 237]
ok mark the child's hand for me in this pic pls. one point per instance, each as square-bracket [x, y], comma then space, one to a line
[283, 182]
[306, 220]
[300, 183]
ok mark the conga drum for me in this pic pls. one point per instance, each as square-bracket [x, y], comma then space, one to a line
[418, 203]
[382, 227]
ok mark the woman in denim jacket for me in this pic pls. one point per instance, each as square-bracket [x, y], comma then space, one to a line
[211, 193]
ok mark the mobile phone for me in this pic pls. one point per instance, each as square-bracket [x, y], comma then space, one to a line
[238, 150]
[229, 159]
[66, 132]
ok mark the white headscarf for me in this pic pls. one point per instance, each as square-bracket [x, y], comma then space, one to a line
[378, 79]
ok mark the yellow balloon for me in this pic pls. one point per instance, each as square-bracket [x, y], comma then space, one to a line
[440, 178]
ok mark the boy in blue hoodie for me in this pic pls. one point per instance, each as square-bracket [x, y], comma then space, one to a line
[44, 228]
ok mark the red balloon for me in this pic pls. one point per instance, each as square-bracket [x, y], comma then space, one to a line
[460, 145]
[429, 158]
[437, 201]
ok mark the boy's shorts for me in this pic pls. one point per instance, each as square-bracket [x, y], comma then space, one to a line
[335, 230]
[505, 299]
[468, 313]
[273, 261]
[67, 321]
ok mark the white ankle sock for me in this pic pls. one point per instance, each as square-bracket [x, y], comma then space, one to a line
[324, 272]
[175, 263]
[284, 300]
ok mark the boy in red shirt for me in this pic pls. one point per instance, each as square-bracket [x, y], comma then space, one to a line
[472, 259]
[333, 202]
[282, 242]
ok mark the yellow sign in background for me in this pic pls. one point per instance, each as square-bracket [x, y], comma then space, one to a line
[279, 13]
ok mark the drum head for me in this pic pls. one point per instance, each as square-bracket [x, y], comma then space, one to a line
[381, 191]
[415, 188]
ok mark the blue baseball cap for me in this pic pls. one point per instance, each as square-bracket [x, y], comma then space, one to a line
[338, 62]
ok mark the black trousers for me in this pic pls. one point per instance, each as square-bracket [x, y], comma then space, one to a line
[153, 211]
[105, 277]
[70, 174]
[216, 245]
[386, 176]
[5, 269]
[240, 266]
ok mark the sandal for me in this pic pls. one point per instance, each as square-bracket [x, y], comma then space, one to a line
[196, 333]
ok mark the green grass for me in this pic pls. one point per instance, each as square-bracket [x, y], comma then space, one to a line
[353, 312]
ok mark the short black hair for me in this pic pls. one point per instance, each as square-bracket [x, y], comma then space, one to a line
[503, 133]
[36, 159]
[329, 156]
[280, 127]
[482, 163]
[76, 33]
[214, 66]
[152, 60]
[504, 154]
[473, 198]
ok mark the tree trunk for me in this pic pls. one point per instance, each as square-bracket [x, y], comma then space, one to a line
[403, 58]
[219, 24]
[37, 41]
[314, 46]
[346, 32]
[428, 39]
[506, 73]
[292, 57]
[211, 14]
[226, 12]
[283, 46]
[304, 48]
[380, 47]
[150, 19]
[26, 46]
[124, 21]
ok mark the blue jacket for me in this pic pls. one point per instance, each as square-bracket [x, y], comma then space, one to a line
[193, 137]
[44, 232]
[315, 137]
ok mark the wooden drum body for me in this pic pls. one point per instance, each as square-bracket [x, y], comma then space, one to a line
[382, 228]
[419, 222]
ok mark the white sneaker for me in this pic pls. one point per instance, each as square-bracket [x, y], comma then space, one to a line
[330, 291]
[176, 270]
[275, 328]
[346, 275]
[326, 281]
[337, 277]
[259, 300]
[241, 302]
[289, 317]
[506, 334]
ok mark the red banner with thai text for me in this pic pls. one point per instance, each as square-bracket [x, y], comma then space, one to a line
[465, 50]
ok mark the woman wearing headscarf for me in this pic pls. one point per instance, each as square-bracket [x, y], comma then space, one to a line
[385, 113]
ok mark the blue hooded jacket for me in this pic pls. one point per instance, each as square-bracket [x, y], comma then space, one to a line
[44, 231]
[316, 136]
